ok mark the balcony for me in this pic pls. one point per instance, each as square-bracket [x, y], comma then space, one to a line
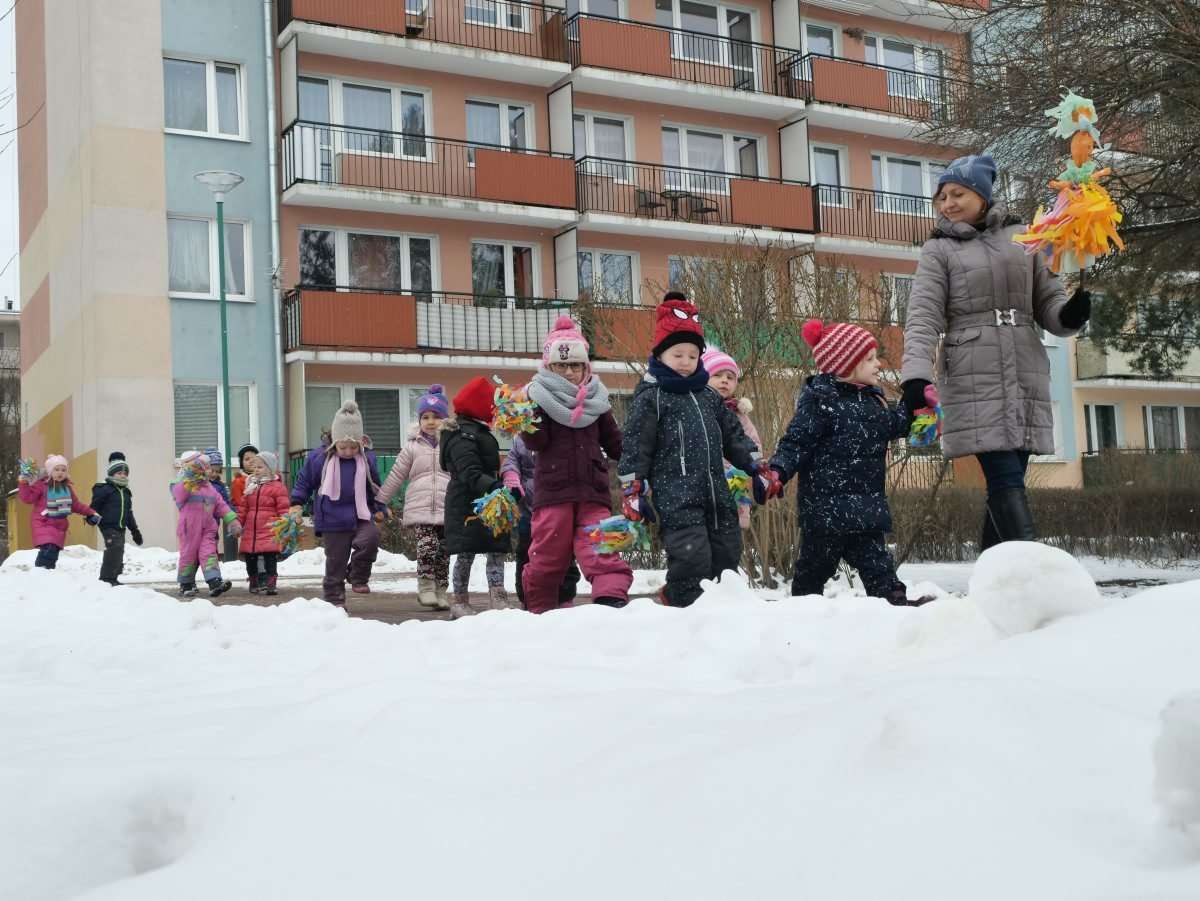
[1094, 362]
[672, 201]
[680, 67]
[897, 223]
[871, 98]
[393, 322]
[942, 15]
[386, 171]
[509, 40]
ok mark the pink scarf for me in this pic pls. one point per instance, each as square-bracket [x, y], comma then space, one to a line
[331, 482]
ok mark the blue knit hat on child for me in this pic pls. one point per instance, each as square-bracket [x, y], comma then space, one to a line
[434, 401]
[976, 172]
[214, 456]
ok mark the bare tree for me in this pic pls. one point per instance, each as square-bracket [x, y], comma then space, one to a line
[10, 432]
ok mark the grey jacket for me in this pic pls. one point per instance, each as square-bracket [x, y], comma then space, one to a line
[994, 374]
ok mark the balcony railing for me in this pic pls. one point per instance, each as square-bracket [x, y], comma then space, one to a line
[647, 49]
[679, 194]
[505, 26]
[318, 153]
[874, 215]
[870, 86]
[390, 321]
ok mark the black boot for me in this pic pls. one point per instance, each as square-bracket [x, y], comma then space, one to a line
[270, 586]
[610, 602]
[1008, 518]
[187, 589]
[217, 587]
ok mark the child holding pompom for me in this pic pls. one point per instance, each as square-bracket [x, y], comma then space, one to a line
[201, 508]
[836, 446]
[570, 483]
[264, 500]
[53, 499]
[470, 455]
[723, 377]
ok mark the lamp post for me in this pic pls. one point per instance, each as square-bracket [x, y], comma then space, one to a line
[221, 183]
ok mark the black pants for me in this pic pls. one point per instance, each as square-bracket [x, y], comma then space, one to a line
[261, 569]
[114, 555]
[47, 556]
[1003, 469]
[699, 552]
[865, 551]
[570, 583]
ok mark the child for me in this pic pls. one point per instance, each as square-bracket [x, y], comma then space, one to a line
[723, 375]
[53, 499]
[677, 432]
[570, 482]
[245, 454]
[471, 456]
[517, 474]
[836, 445]
[425, 497]
[345, 480]
[264, 500]
[216, 473]
[201, 509]
[113, 502]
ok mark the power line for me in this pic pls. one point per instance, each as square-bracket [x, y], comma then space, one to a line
[32, 116]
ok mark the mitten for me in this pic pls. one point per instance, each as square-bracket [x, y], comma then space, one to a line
[137, 537]
[767, 484]
[1076, 312]
[634, 507]
[914, 394]
[93, 520]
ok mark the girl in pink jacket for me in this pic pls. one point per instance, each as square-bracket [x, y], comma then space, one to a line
[53, 499]
[425, 498]
[200, 507]
[723, 376]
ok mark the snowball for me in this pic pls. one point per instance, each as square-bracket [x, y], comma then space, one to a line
[1177, 765]
[1022, 585]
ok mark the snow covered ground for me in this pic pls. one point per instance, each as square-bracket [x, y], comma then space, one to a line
[814, 748]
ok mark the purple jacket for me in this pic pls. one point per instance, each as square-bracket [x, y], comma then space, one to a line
[569, 464]
[329, 515]
[517, 471]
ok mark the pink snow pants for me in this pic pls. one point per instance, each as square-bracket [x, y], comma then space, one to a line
[198, 551]
[557, 529]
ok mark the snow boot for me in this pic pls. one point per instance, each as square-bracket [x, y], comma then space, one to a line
[899, 598]
[427, 593]
[187, 589]
[461, 606]
[217, 587]
[1009, 517]
[361, 589]
[442, 602]
[610, 602]
[270, 586]
[253, 588]
[498, 599]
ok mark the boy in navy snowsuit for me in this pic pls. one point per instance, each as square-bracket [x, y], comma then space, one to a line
[836, 447]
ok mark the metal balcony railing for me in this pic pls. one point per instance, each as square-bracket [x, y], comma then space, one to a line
[319, 153]
[920, 96]
[874, 215]
[505, 26]
[682, 194]
[649, 49]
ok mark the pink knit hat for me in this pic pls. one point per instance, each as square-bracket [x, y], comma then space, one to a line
[837, 348]
[564, 343]
[716, 360]
[55, 460]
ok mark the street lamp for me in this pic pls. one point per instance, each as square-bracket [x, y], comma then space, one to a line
[221, 183]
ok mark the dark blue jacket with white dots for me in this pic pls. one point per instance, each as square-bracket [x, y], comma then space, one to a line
[836, 446]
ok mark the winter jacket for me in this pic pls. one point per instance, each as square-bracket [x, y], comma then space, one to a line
[836, 447]
[470, 454]
[237, 490]
[570, 465]
[48, 529]
[199, 511]
[223, 490]
[678, 444]
[518, 469]
[258, 510]
[114, 505]
[994, 377]
[425, 496]
[330, 515]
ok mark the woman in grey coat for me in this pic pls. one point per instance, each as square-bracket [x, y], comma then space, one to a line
[985, 295]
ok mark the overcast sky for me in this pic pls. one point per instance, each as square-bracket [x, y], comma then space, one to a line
[8, 162]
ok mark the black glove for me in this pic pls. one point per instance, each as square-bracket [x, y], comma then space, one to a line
[1077, 310]
[92, 520]
[914, 394]
[137, 537]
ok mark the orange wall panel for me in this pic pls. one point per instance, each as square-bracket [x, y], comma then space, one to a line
[850, 84]
[360, 320]
[30, 43]
[770, 204]
[630, 48]
[35, 324]
[525, 178]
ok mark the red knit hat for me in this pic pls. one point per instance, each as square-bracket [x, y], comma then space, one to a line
[838, 348]
[476, 399]
[676, 320]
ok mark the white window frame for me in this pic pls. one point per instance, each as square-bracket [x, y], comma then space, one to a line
[703, 183]
[1180, 420]
[920, 56]
[508, 244]
[251, 405]
[1089, 415]
[833, 26]
[828, 198]
[620, 174]
[213, 275]
[337, 85]
[635, 269]
[210, 97]
[348, 388]
[341, 254]
[890, 300]
[502, 10]
[505, 106]
[927, 181]
[721, 38]
[622, 9]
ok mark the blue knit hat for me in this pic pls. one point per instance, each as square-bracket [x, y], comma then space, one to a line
[214, 456]
[434, 401]
[976, 172]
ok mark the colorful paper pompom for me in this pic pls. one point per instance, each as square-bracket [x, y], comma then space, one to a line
[497, 510]
[926, 426]
[27, 468]
[740, 486]
[286, 530]
[194, 475]
[616, 534]
[515, 412]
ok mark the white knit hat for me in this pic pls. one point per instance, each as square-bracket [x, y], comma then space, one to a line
[347, 424]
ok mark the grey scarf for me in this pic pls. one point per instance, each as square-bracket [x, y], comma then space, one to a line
[575, 406]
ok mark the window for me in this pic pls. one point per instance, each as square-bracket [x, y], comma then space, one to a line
[895, 290]
[192, 258]
[711, 33]
[500, 269]
[320, 403]
[603, 138]
[710, 152]
[608, 275]
[497, 14]
[373, 111]
[316, 151]
[820, 40]
[905, 184]
[202, 98]
[484, 125]
[366, 261]
[827, 169]
[1162, 427]
[1100, 426]
[913, 71]
[199, 416]
[382, 416]
[612, 9]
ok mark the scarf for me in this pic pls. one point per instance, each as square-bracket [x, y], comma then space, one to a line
[575, 406]
[58, 500]
[674, 383]
[331, 481]
[252, 482]
[119, 481]
[431, 440]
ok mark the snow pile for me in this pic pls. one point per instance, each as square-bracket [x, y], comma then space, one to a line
[1177, 765]
[1022, 585]
[823, 747]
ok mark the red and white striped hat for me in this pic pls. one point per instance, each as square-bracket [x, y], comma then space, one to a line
[838, 348]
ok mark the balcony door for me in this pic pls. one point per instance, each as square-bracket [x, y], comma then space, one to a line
[313, 145]
[503, 274]
[708, 151]
[913, 71]
[714, 34]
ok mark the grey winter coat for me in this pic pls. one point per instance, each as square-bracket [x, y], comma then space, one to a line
[985, 294]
